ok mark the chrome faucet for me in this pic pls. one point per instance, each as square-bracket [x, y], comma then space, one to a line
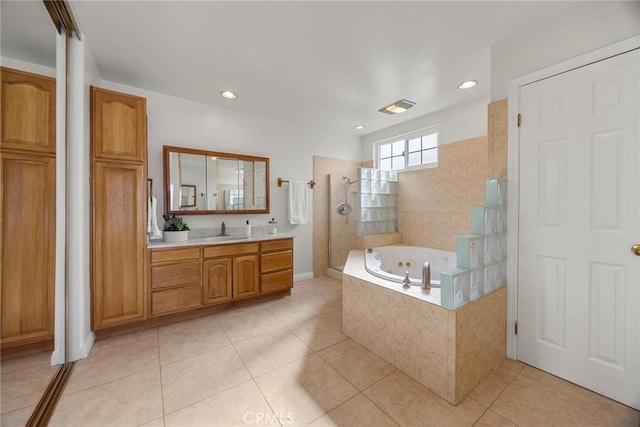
[406, 283]
[426, 275]
[224, 229]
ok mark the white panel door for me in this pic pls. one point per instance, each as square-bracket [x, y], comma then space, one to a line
[579, 216]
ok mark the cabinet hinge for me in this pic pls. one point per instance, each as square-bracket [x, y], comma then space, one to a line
[519, 119]
[516, 328]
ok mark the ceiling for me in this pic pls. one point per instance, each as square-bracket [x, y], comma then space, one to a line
[327, 64]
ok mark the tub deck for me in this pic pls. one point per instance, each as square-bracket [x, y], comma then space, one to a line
[448, 351]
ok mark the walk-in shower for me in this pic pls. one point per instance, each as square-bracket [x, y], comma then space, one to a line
[342, 223]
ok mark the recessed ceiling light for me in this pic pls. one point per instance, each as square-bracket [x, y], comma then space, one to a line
[358, 127]
[229, 94]
[468, 84]
[397, 107]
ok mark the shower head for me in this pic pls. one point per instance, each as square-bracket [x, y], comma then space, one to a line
[347, 179]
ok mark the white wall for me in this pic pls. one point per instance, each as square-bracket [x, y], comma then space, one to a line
[456, 124]
[83, 73]
[585, 28]
[28, 66]
[290, 148]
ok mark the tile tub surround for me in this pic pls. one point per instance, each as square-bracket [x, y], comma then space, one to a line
[448, 351]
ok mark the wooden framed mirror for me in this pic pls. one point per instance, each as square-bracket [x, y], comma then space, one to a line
[202, 182]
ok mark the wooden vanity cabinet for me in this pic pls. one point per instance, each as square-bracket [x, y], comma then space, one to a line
[276, 265]
[119, 126]
[175, 280]
[237, 262]
[28, 112]
[187, 278]
[27, 209]
[118, 208]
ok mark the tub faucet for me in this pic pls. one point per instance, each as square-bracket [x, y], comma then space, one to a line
[426, 275]
[224, 229]
[406, 283]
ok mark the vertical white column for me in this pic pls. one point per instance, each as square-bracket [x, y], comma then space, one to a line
[58, 355]
[80, 338]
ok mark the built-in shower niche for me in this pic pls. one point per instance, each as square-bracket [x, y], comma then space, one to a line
[377, 202]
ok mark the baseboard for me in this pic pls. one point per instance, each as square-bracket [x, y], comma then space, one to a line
[302, 276]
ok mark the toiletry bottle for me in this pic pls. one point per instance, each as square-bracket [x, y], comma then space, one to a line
[273, 226]
[247, 229]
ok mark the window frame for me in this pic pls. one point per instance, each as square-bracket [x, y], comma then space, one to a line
[431, 130]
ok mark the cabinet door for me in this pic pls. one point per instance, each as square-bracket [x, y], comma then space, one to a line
[118, 126]
[217, 279]
[28, 111]
[245, 276]
[118, 242]
[28, 247]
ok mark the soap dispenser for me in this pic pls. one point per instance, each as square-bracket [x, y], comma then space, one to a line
[273, 226]
[247, 229]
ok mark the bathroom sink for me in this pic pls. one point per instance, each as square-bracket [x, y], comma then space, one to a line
[223, 238]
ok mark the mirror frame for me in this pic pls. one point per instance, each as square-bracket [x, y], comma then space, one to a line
[167, 149]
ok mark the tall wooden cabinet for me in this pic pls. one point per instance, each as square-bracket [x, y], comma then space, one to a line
[118, 203]
[28, 208]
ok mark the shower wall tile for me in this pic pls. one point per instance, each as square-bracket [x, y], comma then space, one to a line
[378, 319]
[320, 242]
[436, 230]
[375, 240]
[448, 351]
[481, 330]
[322, 168]
[497, 127]
[434, 205]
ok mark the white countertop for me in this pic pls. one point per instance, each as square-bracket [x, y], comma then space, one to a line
[215, 240]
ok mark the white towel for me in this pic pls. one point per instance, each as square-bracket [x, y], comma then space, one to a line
[211, 201]
[152, 220]
[297, 206]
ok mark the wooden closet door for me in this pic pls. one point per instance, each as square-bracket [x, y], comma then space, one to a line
[118, 242]
[28, 247]
[119, 123]
[28, 112]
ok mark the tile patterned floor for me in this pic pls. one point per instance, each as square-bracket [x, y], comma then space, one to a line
[286, 362]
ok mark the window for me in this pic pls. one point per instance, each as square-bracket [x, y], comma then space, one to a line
[414, 152]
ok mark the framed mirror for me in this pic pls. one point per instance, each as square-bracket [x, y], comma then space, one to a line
[187, 196]
[201, 182]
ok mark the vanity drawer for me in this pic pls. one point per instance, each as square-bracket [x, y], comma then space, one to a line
[276, 261]
[278, 281]
[230, 250]
[179, 274]
[171, 300]
[277, 245]
[174, 254]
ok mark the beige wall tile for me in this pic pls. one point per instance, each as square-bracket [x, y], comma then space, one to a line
[322, 168]
[435, 204]
[408, 333]
[498, 141]
[480, 340]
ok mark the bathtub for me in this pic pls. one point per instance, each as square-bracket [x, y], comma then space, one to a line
[392, 262]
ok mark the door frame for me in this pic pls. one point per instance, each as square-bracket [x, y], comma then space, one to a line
[513, 164]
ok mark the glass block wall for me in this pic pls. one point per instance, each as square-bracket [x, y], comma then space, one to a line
[377, 202]
[482, 256]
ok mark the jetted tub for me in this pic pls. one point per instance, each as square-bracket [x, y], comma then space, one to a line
[392, 262]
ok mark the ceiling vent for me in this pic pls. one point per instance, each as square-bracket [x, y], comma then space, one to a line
[397, 107]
